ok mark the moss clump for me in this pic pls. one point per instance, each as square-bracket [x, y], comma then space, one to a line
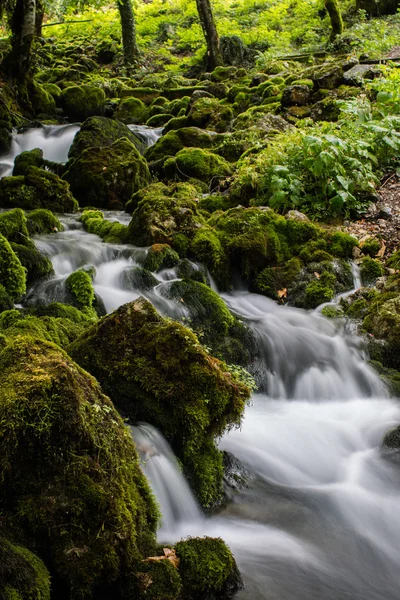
[130, 110]
[5, 301]
[23, 576]
[107, 177]
[393, 262]
[37, 189]
[197, 163]
[370, 269]
[81, 102]
[162, 212]
[13, 225]
[100, 132]
[77, 459]
[273, 281]
[174, 141]
[158, 580]
[342, 244]
[42, 221]
[321, 290]
[160, 256]
[12, 273]
[157, 371]
[37, 265]
[209, 113]
[29, 158]
[332, 312]
[208, 569]
[383, 322]
[80, 285]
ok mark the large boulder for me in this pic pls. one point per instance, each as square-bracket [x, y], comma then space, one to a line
[156, 371]
[71, 480]
[106, 177]
[81, 102]
[12, 273]
[209, 113]
[100, 132]
[173, 141]
[198, 164]
[37, 189]
[23, 576]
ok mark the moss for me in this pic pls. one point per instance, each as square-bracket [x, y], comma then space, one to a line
[60, 330]
[188, 270]
[393, 262]
[383, 322]
[161, 212]
[320, 291]
[77, 460]
[209, 113]
[29, 158]
[197, 163]
[172, 142]
[186, 393]
[101, 132]
[158, 580]
[42, 101]
[371, 246]
[160, 256]
[207, 568]
[107, 177]
[12, 273]
[62, 311]
[272, 280]
[207, 248]
[80, 285]
[13, 225]
[138, 279]
[130, 110]
[5, 301]
[342, 244]
[391, 377]
[332, 312]
[370, 269]
[159, 120]
[37, 265]
[43, 221]
[23, 576]
[37, 189]
[81, 102]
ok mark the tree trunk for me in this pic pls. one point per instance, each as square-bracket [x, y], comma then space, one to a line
[18, 61]
[39, 17]
[332, 6]
[131, 51]
[214, 56]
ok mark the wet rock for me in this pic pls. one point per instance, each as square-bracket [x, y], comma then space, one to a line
[391, 441]
[296, 95]
[385, 212]
[356, 74]
[236, 475]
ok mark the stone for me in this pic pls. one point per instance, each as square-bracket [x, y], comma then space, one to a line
[385, 212]
[296, 215]
[296, 95]
[356, 74]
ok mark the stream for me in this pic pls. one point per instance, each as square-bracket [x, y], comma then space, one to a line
[318, 520]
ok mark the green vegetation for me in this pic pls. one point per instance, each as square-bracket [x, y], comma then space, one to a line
[22, 574]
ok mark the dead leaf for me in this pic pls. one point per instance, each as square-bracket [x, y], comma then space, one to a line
[169, 554]
[382, 250]
[282, 293]
[317, 275]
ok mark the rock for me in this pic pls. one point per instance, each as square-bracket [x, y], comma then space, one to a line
[236, 476]
[12, 273]
[356, 74]
[356, 252]
[199, 164]
[296, 95]
[296, 215]
[385, 212]
[174, 141]
[329, 79]
[112, 517]
[5, 140]
[22, 574]
[29, 158]
[130, 110]
[233, 50]
[350, 63]
[209, 113]
[158, 372]
[106, 51]
[81, 102]
[391, 441]
[106, 177]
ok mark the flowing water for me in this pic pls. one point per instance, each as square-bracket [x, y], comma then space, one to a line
[318, 520]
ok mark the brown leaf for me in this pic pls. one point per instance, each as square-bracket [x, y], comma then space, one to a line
[317, 275]
[282, 293]
[382, 250]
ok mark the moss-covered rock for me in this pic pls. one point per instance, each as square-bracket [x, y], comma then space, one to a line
[80, 497]
[209, 113]
[81, 102]
[23, 576]
[80, 285]
[130, 110]
[383, 322]
[111, 232]
[41, 221]
[198, 164]
[5, 301]
[13, 225]
[101, 132]
[173, 141]
[12, 273]
[138, 279]
[370, 269]
[37, 189]
[107, 177]
[37, 265]
[29, 158]
[140, 358]
[161, 212]
[156, 580]
[42, 101]
[160, 256]
[208, 569]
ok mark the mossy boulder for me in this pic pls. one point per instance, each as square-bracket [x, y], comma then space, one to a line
[101, 132]
[107, 177]
[37, 265]
[79, 284]
[5, 301]
[160, 256]
[161, 212]
[80, 497]
[111, 232]
[37, 189]
[383, 323]
[157, 371]
[130, 110]
[29, 158]
[208, 569]
[210, 113]
[12, 273]
[81, 102]
[370, 270]
[13, 225]
[138, 279]
[42, 221]
[198, 164]
[23, 576]
[174, 141]
[42, 101]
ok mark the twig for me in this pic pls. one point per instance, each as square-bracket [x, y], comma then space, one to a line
[66, 23]
[388, 179]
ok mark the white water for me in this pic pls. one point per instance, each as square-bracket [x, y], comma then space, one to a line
[320, 519]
